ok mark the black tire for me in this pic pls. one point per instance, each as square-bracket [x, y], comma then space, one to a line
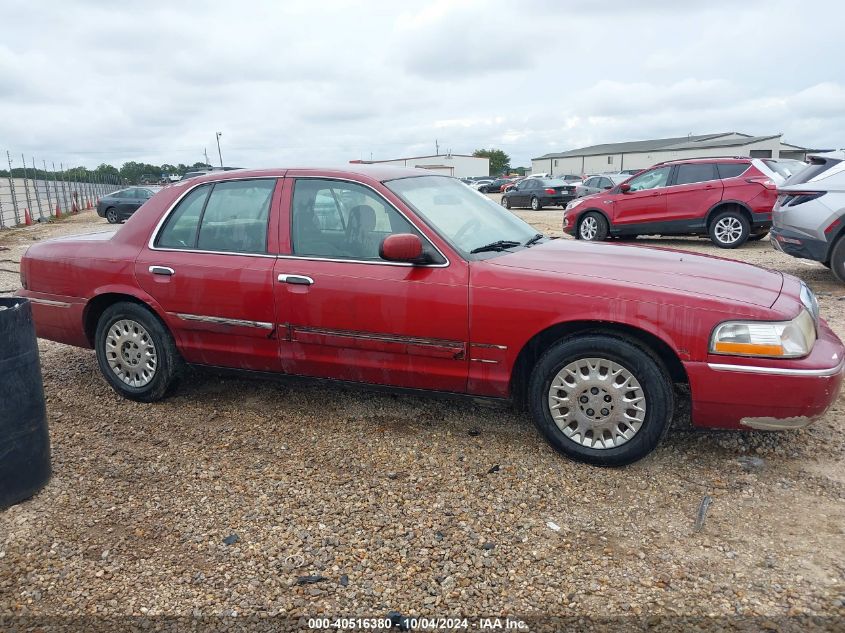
[654, 384]
[111, 216]
[837, 259]
[739, 227]
[506, 202]
[168, 366]
[601, 227]
[756, 237]
[536, 205]
[483, 190]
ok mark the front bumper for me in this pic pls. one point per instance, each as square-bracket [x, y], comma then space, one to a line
[752, 393]
[798, 245]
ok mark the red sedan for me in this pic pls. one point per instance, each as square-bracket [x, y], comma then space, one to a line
[392, 277]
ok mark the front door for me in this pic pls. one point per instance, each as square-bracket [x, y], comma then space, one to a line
[644, 203]
[211, 271]
[350, 315]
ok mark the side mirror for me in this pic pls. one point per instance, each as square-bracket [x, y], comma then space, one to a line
[624, 187]
[402, 247]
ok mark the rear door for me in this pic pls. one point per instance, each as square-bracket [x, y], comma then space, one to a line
[645, 203]
[210, 269]
[351, 315]
[693, 190]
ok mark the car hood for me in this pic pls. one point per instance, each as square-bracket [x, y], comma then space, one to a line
[679, 271]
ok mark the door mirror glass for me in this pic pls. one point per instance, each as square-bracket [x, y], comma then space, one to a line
[402, 247]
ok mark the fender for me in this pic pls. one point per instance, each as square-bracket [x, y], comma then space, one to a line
[714, 209]
[136, 293]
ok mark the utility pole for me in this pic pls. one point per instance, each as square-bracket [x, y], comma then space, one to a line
[205, 151]
[436, 147]
[219, 134]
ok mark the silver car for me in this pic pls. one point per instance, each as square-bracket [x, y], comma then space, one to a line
[808, 219]
[602, 182]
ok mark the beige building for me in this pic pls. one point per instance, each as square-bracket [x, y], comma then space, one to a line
[457, 165]
[612, 157]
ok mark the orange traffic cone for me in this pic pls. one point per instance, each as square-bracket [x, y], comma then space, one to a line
[27, 219]
[58, 210]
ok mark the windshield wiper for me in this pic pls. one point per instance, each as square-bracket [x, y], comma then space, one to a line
[498, 245]
[535, 239]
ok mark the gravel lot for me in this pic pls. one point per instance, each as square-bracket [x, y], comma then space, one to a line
[217, 501]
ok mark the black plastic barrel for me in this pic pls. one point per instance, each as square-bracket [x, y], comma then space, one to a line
[24, 440]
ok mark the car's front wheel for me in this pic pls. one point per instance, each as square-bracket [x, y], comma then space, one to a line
[111, 215]
[729, 229]
[536, 205]
[506, 202]
[593, 227]
[136, 353]
[601, 399]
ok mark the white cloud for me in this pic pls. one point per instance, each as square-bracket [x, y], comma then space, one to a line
[92, 82]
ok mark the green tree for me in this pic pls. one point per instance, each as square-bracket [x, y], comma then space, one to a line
[500, 163]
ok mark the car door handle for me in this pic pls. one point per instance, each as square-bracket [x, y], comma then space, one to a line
[298, 280]
[162, 270]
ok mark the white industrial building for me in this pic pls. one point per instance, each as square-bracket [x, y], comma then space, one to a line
[457, 165]
[611, 157]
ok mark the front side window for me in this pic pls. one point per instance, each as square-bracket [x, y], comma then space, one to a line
[342, 220]
[651, 179]
[695, 172]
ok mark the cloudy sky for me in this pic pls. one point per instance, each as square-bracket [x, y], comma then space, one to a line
[326, 81]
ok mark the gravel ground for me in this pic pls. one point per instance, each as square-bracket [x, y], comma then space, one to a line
[220, 499]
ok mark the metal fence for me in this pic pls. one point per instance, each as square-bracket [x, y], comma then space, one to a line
[35, 192]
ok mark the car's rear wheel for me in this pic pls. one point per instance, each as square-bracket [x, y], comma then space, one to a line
[111, 215]
[536, 205]
[593, 227]
[837, 259]
[601, 399]
[756, 237]
[136, 353]
[506, 202]
[729, 229]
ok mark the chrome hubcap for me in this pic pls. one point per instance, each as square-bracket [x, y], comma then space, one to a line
[535, 204]
[728, 230]
[597, 403]
[589, 228]
[130, 353]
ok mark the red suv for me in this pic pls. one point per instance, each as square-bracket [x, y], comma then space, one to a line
[729, 199]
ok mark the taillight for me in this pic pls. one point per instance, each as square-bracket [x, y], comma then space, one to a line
[833, 225]
[551, 192]
[768, 183]
[794, 198]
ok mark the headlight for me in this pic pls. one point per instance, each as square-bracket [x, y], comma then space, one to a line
[778, 339]
[574, 203]
[810, 302]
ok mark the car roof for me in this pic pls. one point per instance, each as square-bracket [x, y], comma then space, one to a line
[707, 159]
[376, 172]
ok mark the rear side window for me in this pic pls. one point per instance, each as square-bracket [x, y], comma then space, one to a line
[695, 172]
[818, 165]
[180, 231]
[235, 217]
[732, 170]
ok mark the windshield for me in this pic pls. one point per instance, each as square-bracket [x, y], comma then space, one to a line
[464, 217]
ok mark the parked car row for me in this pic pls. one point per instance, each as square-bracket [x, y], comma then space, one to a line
[119, 205]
